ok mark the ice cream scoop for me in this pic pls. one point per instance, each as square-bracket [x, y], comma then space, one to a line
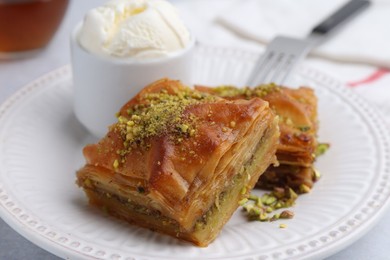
[121, 47]
[141, 29]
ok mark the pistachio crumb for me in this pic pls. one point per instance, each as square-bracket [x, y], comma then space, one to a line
[321, 149]
[248, 207]
[122, 119]
[317, 175]
[88, 183]
[304, 128]
[275, 217]
[282, 225]
[184, 128]
[263, 217]
[304, 188]
[116, 164]
[243, 201]
[136, 117]
[270, 200]
[261, 208]
[286, 214]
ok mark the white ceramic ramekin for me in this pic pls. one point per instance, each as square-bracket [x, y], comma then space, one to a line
[102, 84]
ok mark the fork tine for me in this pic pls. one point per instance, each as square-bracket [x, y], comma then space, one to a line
[286, 70]
[276, 67]
[267, 69]
[261, 62]
[281, 56]
[261, 68]
[283, 70]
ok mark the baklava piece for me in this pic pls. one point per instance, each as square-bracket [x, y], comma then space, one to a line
[179, 161]
[297, 111]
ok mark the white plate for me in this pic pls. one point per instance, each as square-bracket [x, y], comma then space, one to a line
[40, 150]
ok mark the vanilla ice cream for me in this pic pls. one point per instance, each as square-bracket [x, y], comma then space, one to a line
[138, 29]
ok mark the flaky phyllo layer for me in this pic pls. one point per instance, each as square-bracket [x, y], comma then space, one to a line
[297, 111]
[178, 160]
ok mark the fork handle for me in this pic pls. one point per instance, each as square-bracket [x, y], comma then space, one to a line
[341, 15]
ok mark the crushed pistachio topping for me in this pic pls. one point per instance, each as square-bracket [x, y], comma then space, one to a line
[282, 225]
[316, 175]
[304, 128]
[321, 148]
[259, 91]
[115, 164]
[304, 188]
[243, 201]
[157, 113]
[261, 208]
[88, 183]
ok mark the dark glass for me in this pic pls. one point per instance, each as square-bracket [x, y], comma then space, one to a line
[29, 24]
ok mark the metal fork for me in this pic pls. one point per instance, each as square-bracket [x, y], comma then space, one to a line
[283, 54]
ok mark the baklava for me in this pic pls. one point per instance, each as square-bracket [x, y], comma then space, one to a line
[297, 111]
[179, 161]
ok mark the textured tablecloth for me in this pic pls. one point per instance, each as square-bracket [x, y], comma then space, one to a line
[15, 74]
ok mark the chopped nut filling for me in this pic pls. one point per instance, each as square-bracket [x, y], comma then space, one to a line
[260, 208]
[282, 225]
[321, 149]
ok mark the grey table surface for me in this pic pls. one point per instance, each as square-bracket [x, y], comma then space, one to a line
[16, 73]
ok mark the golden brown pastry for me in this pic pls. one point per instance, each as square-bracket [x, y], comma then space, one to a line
[179, 161]
[297, 111]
